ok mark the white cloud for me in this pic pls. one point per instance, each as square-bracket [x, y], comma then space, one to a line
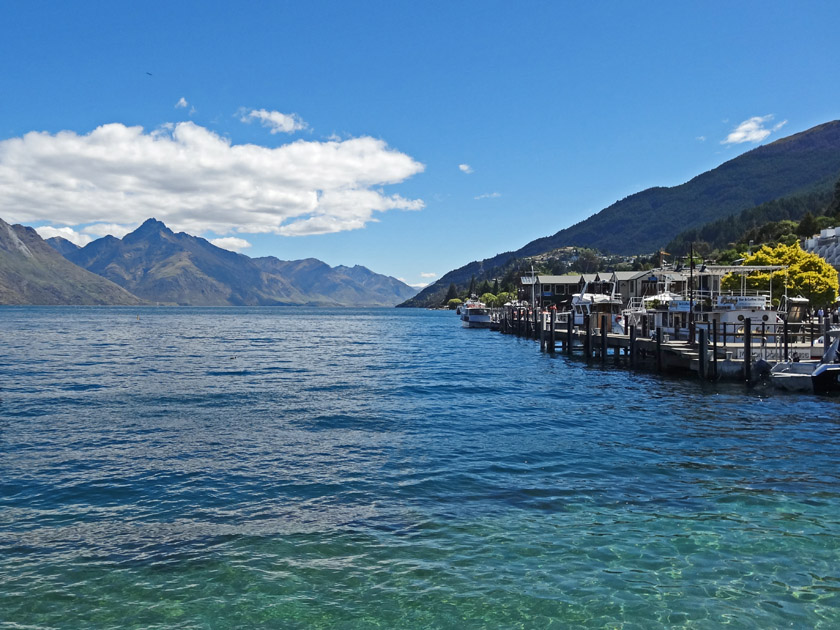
[275, 121]
[48, 231]
[492, 195]
[701, 138]
[753, 130]
[196, 181]
[182, 102]
[466, 168]
[231, 243]
[428, 274]
[421, 285]
[104, 229]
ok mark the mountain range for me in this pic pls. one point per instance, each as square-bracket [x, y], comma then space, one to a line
[806, 162]
[155, 265]
[32, 272]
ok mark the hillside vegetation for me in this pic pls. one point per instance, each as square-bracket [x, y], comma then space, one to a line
[800, 169]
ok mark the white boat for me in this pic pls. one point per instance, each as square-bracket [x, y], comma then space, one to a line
[729, 313]
[809, 376]
[475, 314]
[598, 305]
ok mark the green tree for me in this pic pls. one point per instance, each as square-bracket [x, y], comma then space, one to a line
[807, 226]
[588, 261]
[834, 207]
[451, 294]
[806, 274]
[504, 297]
[472, 287]
[488, 298]
[454, 303]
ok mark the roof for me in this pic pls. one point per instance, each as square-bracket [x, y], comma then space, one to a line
[720, 270]
[571, 278]
[670, 274]
[624, 275]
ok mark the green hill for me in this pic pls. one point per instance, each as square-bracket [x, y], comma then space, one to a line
[802, 164]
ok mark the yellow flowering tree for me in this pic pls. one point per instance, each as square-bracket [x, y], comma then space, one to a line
[807, 274]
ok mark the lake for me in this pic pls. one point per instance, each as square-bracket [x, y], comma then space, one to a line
[325, 468]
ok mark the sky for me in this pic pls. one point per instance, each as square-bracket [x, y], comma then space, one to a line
[411, 138]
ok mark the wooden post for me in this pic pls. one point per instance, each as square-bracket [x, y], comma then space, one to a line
[570, 323]
[587, 346]
[714, 348]
[724, 334]
[659, 348]
[748, 350]
[701, 341]
[632, 347]
[552, 324]
[542, 331]
[603, 337]
[617, 348]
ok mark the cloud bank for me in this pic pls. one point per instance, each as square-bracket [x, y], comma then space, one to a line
[277, 122]
[70, 234]
[231, 243]
[753, 130]
[197, 181]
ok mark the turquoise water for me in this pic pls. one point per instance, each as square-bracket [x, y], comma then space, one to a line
[301, 468]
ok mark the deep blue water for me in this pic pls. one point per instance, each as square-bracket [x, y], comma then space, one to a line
[302, 468]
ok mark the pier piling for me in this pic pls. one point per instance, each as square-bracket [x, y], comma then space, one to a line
[701, 342]
[603, 338]
[748, 350]
[658, 348]
[552, 324]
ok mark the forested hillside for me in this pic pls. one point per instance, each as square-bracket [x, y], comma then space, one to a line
[782, 180]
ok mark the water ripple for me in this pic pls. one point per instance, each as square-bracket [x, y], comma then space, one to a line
[304, 468]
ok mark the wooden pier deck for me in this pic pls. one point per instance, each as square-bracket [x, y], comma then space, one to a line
[743, 356]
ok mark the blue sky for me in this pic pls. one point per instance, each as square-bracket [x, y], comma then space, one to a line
[411, 138]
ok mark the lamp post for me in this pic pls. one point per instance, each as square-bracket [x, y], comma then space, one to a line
[691, 294]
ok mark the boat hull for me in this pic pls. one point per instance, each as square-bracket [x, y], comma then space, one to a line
[826, 378]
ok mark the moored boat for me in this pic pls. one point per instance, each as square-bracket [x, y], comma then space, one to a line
[820, 376]
[475, 314]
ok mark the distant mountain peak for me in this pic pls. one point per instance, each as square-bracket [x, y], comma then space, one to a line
[10, 241]
[150, 226]
[33, 272]
[61, 245]
[158, 265]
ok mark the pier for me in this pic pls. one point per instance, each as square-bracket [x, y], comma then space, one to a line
[705, 350]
